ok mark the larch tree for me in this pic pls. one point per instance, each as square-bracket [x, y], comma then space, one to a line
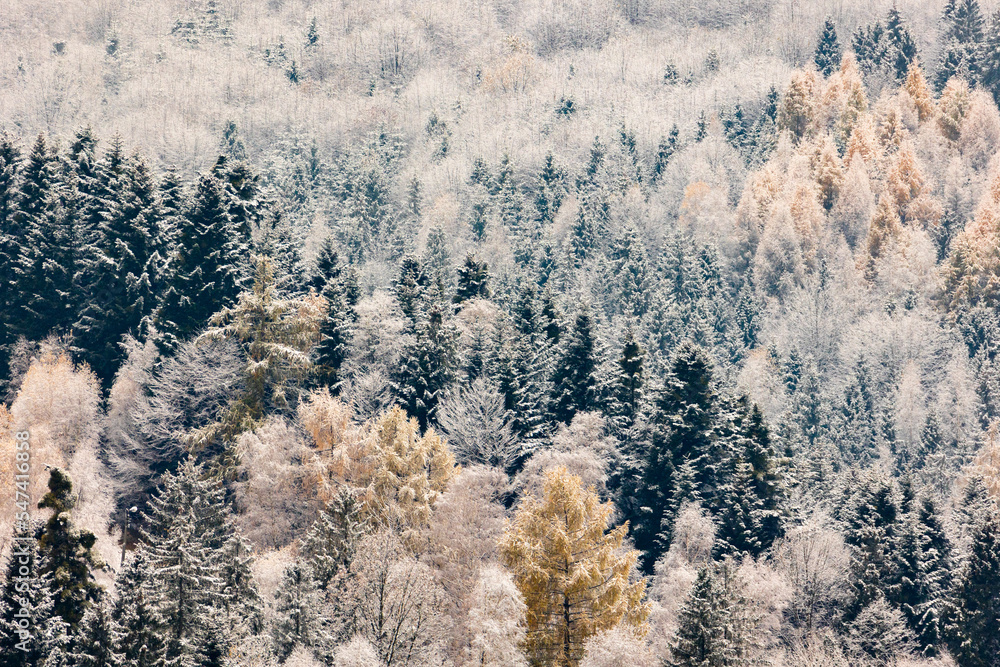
[571, 569]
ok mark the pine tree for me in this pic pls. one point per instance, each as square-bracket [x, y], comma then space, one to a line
[902, 49]
[67, 552]
[239, 599]
[206, 273]
[684, 435]
[298, 608]
[665, 150]
[570, 569]
[827, 55]
[95, 643]
[714, 624]
[550, 191]
[871, 517]
[575, 381]
[187, 527]
[29, 626]
[473, 280]
[11, 237]
[335, 330]
[139, 640]
[332, 540]
[428, 365]
[990, 63]
[628, 393]
[975, 614]
[118, 272]
[963, 39]
[47, 257]
[923, 554]
[629, 263]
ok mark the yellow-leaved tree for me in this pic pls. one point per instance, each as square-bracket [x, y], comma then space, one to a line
[572, 571]
[403, 473]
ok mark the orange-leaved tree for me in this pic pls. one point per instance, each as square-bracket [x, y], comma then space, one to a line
[572, 571]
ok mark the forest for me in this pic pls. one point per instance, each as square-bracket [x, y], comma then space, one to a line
[499, 333]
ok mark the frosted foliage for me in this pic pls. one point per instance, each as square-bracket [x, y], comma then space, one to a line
[583, 448]
[477, 425]
[303, 657]
[694, 536]
[356, 653]
[496, 620]
[59, 403]
[377, 342]
[980, 137]
[465, 526]
[95, 504]
[277, 494]
[814, 561]
[617, 647]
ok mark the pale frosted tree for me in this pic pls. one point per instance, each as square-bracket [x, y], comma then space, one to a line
[394, 603]
[617, 647]
[496, 620]
[478, 426]
[358, 652]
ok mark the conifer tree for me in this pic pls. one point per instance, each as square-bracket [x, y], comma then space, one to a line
[963, 40]
[206, 274]
[29, 627]
[11, 237]
[67, 552]
[550, 191]
[47, 257]
[139, 640]
[575, 381]
[990, 64]
[923, 554]
[428, 365]
[827, 55]
[975, 614]
[332, 540]
[570, 569]
[239, 600]
[96, 641]
[299, 617]
[714, 625]
[628, 392]
[629, 263]
[871, 517]
[473, 280]
[121, 270]
[684, 435]
[902, 48]
[665, 150]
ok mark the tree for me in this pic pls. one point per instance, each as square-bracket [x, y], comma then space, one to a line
[139, 640]
[627, 401]
[428, 365]
[11, 236]
[96, 640]
[121, 271]
[275, 334]
[187, 527]
[299, 611]
[902, 49]
[575, 380]
[479, 427]
[338, 286]
[827, 55]
[570, 569]
[206, 268]
[29, 627]
[684, 435]
[67, 553]
[395, 602]
[975, 614]
[331, 543]
[473, 280]
[48, 249]
[715, 624]
[496, 620]
[963, 39]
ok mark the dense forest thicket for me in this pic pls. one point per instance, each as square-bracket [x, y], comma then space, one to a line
[566, 333]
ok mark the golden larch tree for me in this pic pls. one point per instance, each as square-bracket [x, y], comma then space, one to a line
[920, 93]
[953, 105]
[571, 569]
